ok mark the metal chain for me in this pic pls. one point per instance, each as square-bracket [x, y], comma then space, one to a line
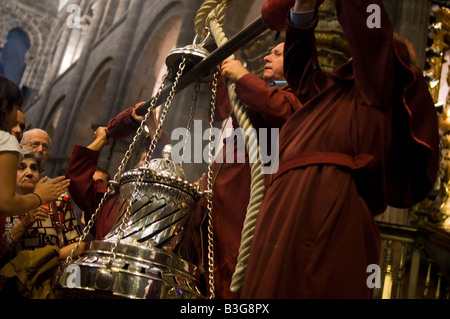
[167, 105]
[140, 131]
[112, 187]
[209, 193]
[90, 224]
[140, 180]
[191, 116]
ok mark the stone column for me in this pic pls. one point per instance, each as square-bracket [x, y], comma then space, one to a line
[104, 18]
[66, 124]
[185, 38]
[121, 8]
[51, 74]
[414, 271]
[187, 32]
[121, 49]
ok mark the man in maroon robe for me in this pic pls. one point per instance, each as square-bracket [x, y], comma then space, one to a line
[366, 136]
[269, 102]
[88, 193]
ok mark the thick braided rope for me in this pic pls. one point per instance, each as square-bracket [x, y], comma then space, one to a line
[216, 8]
[212, 20]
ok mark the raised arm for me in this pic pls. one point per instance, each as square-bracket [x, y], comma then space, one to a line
[85, 192]
[300, 54]
[369, 33]
[125, 123]
[275, 104]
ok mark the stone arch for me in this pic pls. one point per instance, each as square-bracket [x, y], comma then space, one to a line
[12, 56]
[32, 58]
[31, 30]
[35, 39]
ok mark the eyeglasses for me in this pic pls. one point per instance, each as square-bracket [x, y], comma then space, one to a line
[35, 145]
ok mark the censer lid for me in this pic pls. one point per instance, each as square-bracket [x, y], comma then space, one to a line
[193, 54]
[164, 171]
[166, 164]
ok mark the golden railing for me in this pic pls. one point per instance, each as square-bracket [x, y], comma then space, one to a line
[415, 260]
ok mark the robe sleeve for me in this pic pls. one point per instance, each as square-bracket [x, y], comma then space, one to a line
[301, 60]
[122, 125]
[414, 159]
[85, 192]
[369, 33]
[275, 104]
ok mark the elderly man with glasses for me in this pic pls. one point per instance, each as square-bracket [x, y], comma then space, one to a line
[37, 140]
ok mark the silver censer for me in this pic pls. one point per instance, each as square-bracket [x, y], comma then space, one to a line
[151, 259]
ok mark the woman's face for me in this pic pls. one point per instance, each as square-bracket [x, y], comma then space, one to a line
[27, 175]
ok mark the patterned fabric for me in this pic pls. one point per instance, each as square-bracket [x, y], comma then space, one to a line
[46, 232]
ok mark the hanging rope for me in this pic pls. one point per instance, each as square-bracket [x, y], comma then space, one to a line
[214, 8]
[211, 15]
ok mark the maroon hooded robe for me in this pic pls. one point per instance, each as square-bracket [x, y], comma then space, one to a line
[232, 180]
[340, 163]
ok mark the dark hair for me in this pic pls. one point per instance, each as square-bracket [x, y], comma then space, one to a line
[10, 95]
[33, 155]
[104, 171]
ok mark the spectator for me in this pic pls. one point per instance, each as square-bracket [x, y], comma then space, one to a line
[52, 224]
[269, 102]
[37, 140]
[19, 128]
[40, 227]
[87, 192]
[101, 175]
[45, 191]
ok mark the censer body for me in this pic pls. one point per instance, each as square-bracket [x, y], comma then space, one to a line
[152, 258]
